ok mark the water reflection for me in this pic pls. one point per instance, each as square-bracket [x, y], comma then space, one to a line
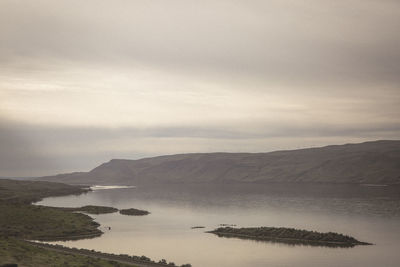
[367, 213]
[291, 243]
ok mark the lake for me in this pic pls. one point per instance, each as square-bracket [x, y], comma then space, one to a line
[368, 213]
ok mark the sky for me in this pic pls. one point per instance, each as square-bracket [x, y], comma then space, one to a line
[82, 82]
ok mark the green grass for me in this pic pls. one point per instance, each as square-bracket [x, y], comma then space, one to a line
[13, 191]
[20, 220]
[25, 254]
[44, 223]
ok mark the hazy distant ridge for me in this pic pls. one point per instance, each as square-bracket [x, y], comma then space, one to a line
[375, 162]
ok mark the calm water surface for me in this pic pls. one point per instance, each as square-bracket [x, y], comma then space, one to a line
[370, 214]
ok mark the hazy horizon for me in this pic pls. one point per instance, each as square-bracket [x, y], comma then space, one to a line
[172, 154]
[137, 79]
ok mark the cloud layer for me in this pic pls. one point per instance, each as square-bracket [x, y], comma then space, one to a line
[81, 82]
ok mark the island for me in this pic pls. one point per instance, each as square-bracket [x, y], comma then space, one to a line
[91, 209]
[289, 236]
[197, 227]
[134, 212]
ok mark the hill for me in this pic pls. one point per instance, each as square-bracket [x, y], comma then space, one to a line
[376, 162]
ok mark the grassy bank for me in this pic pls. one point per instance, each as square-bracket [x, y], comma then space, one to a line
[20, 221]
[44, 223]
[24, 254]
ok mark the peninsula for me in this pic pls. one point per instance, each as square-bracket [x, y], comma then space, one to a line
[21, 221]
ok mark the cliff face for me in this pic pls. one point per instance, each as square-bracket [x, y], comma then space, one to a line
[371, 163]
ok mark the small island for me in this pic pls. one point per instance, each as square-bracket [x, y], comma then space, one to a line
[289, 236]
[91, 209]
[197, 227]
[134, 212]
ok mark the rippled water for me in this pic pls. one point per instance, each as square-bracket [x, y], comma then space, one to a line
[370, 214]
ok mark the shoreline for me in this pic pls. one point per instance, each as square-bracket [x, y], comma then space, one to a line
[23, 220]
[139, 261]
[294, 241]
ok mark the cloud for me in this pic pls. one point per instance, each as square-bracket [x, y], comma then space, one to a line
[18, 155]
[82, 82]
[313, 42]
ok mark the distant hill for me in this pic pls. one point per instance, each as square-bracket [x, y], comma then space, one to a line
[375, 162]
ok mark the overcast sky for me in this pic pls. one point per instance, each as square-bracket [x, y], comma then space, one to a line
[82, 82]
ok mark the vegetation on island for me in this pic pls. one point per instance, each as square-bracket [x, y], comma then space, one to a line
[134, 212]
[289, 236]
[90, 209]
